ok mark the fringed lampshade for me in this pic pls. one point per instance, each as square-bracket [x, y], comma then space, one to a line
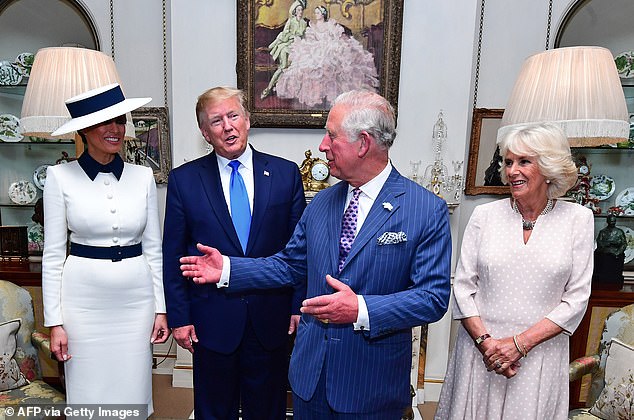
[576, 88]
[58, 74]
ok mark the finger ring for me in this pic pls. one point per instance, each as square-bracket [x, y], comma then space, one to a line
[325, 321]
[497, 364]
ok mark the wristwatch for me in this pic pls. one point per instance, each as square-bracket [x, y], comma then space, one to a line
[480, 339]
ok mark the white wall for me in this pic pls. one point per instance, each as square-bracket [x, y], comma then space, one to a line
[437, 69]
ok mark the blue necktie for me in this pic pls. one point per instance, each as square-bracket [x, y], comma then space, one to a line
[240, 209]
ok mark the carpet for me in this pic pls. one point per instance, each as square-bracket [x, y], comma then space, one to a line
[169, 402]
[178, 403]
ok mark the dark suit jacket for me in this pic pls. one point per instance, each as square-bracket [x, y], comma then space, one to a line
[404, 284]
[196, 211]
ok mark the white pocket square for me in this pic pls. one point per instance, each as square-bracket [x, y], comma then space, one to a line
[391, 238]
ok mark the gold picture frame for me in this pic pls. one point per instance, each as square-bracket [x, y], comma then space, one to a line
[151, 146]
[375, 24]
[482, 169]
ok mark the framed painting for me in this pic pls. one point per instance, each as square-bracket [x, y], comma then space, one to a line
[296, 56]
[483, 175]
[151, 146]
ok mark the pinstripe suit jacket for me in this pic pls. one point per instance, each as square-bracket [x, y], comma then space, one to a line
[404, 285]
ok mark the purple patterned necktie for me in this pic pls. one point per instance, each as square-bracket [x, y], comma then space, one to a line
[348, 227]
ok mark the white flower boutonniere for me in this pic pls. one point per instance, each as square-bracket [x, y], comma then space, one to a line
[387, 206]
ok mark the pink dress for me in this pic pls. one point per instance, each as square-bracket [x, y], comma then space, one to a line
[325, 63]
[512, 286]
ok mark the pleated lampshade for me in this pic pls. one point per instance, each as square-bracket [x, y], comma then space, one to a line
[59, 73]
[576, 88]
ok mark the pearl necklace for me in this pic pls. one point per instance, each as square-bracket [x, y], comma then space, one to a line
[528, 224]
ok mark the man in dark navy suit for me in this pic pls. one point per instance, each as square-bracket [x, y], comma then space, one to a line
[245, 203]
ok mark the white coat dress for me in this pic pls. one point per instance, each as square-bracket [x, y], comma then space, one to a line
[107, 308]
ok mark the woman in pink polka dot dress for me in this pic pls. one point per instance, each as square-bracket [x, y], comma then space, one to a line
[521, 287]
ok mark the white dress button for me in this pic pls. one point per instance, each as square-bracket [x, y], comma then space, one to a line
[113, 210]
[115, 227]
[115, 239]
[106, 182]
[109, 196]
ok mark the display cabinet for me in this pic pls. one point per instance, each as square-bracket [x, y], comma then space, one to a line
[25, 27]
[607, 188]
[23, 164]
[606, 182]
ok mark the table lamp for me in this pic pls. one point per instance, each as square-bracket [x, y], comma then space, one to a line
[575, 88]
[59, 73]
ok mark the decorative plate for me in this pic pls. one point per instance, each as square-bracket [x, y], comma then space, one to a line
[601, 187]
[10, 128]
[625, 200]
[24, 62]
[36, 237]
[625, 64]
[9, 74]
[629, 251]
[22, 192]
[39, 176]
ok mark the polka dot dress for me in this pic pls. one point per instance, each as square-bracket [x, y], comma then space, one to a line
[512, 285]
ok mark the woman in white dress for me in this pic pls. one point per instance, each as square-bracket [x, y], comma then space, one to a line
[104, 302]
[326, 63]
[521, 288]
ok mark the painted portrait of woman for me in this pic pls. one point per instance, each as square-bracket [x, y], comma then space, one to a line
[325, 63]
[318, 52]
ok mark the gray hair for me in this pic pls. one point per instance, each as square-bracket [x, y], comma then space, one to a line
[368, 111]
[548, 143]
[215, 95]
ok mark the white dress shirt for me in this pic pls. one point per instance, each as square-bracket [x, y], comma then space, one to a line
[246, 171]
[369, 192]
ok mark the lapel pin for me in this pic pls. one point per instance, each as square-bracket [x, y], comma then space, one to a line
[266, 173]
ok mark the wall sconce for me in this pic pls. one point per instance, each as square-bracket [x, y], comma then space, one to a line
[436, 177]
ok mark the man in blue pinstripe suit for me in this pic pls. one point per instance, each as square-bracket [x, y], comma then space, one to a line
[352, 353]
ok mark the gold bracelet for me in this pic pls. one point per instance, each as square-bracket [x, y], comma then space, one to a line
[522, 344]
[524, 353]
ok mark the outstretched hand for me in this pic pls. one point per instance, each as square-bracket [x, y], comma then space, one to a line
[206, 268]
[341, 307]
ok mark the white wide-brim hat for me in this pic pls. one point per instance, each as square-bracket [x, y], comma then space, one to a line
[96, 106]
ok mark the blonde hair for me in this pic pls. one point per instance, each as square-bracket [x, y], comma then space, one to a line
[215, 95]
[549, 145]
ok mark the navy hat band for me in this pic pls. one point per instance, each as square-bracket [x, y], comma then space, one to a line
[96, 103]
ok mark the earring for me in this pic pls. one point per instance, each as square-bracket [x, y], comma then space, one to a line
[548, 181]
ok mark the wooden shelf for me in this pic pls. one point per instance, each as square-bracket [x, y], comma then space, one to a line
[22, 273]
